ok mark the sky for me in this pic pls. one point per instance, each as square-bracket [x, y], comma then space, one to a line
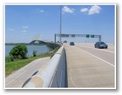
[24, 23]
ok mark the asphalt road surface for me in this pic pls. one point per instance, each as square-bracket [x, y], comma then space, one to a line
[17, 79]
[89, 67]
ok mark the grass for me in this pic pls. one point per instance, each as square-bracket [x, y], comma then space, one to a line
[12, 66]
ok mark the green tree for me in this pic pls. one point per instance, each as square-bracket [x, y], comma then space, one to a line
[19, 51]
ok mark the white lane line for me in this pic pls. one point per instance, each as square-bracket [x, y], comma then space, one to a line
[15, 78]
[95, 56]
[97, 49]
[23, 70]
[31, 65]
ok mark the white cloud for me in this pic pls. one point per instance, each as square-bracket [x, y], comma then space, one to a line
[24, 31]
[67, 9]
[84, 10]
[41, 11]
[94, 9]
[25, 27]
[11, 29]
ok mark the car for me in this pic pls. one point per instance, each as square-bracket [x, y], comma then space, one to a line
[101, 45]
[65, 42]
[72, 43]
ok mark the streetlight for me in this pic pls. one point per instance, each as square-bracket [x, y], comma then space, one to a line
[60, 22]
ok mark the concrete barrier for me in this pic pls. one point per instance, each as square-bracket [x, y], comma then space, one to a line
[54, 75]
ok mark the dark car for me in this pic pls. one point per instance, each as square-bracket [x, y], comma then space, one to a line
[100, 45]
[65, 42]
[72, 43]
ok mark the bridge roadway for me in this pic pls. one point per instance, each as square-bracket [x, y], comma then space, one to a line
[89, 67]
[17, 79]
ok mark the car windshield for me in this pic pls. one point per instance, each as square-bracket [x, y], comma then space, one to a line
[102, 43]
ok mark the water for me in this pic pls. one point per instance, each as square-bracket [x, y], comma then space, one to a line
[31, 48]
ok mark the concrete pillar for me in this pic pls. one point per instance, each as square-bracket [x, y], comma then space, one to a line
[55, 38]
[99, 38]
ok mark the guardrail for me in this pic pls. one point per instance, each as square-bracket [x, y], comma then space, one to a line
[54, 75]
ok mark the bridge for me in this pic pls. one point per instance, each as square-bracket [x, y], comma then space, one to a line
[37, 42]
[79, 66]
[33, 42]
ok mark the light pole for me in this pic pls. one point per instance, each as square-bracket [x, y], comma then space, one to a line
[60, 22]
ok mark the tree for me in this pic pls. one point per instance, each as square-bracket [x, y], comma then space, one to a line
[19, 51]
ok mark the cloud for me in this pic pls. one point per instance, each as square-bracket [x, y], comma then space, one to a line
[84, 10]
[11, 29]
[67, 10]
[94, 9]
[41, 11]
[25, 27]
[24, 31]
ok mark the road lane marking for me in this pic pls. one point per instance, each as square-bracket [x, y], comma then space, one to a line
[15, 78]
[24, 70]
[95, 56]
[96, 49]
